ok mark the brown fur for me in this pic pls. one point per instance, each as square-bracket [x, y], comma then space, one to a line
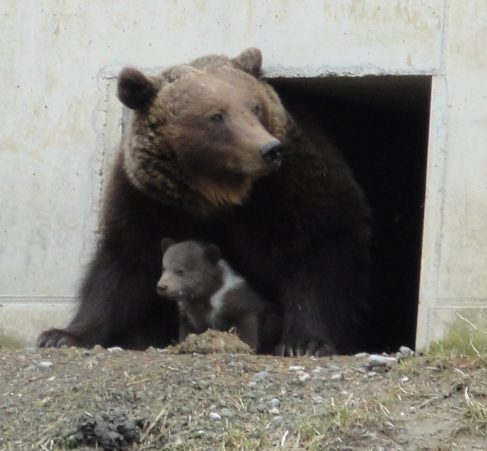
[193, 273]
[194, 164]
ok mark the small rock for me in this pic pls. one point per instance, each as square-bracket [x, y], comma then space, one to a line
[46, 364]
[337, 377]
[257, 377]
[215, 416]
[317, 399]
[412, 409]
[296, 368]
[178, 441]
[388, 425]
[304, 377]
[404, 379]
[114, 349]
[274, 411]
[361, 355]
[380, 360]
[318, 370]
[199, 433]
[372, 435]
[406, 351]
[274, 402]
[227, 413]
[252, 384]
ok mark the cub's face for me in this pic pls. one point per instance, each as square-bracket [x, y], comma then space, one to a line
[212, 123]
[190, 270]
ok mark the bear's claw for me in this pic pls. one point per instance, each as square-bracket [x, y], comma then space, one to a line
[298, 348]
[55, 338]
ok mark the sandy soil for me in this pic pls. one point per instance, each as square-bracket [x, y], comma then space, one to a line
[212, 394]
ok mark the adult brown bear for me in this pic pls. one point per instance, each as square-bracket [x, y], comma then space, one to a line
[211, 154]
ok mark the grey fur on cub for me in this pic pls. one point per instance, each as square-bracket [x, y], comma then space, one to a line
[211, 295]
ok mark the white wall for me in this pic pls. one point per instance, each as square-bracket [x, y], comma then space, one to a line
[454, 266]
[60, 121]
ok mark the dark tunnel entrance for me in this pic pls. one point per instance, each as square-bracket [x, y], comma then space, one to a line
[380, 123]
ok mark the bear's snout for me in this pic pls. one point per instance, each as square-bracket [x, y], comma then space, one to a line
[271, 153]
[161, 289]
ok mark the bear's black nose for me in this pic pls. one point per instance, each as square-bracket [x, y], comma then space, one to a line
[161, 289]
[271, 152]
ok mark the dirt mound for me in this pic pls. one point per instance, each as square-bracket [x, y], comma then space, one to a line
[211, 342]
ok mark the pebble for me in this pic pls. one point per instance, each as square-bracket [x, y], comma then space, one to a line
[412, 409]
[215, 416]
[274, 402]
[296, 368]
[404, 353]
[406, 350]
[45, 364]
[388, 425]
[304, 377]
[274, 411]
[260, 376]
[360, 355]
[317, 399]
[227, 413]
[337, 377]
[380, 360]
[114, 349]
[318, 370]
[404, 379]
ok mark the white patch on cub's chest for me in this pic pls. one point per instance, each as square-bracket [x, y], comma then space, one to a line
[230, 281]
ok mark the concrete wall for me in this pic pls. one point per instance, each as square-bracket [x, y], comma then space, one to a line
[61, 121]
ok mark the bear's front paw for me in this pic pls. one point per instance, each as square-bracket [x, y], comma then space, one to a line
[293, 347]
[56, 338]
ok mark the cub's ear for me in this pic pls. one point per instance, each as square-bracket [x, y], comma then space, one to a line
[166, 243]
[135, 90]
[213, 254]
[249, 61]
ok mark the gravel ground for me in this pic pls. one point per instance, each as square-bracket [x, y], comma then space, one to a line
[212, 394]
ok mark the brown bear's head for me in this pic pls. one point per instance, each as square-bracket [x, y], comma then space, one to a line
[190, 270]
[210, 125]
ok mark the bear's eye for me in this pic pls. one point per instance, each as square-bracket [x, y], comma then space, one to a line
[179, 272]
[216, 118]
[257, 109]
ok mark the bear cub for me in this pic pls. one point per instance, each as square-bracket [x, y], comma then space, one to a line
[211, 295]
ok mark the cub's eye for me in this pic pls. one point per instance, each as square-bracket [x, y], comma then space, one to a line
[179, 272]
[257, 109]
[216, 118]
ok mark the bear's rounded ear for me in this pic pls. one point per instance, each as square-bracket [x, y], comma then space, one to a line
[213, 254]
[166, 243]
[135, 90]
[249, 61]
